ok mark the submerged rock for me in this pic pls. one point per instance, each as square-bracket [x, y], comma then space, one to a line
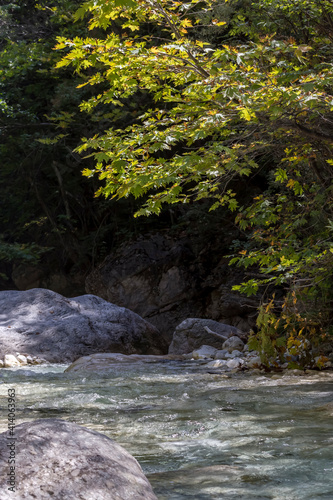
[105, 361]
[56, 459]
[217, 363]
[43, 323]
[204, 352]
[195, 332]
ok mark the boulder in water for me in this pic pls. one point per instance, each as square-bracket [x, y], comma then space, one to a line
[106, 361]
[43, 323]
[55, 459]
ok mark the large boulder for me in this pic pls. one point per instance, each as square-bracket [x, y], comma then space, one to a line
[43, 323]
[195, 332]
[154, 277]
[55, 459]
[166, 280]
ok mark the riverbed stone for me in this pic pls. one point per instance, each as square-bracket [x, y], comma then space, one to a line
[10, 361]
[30, 360]
[56, 459]
[105, 361]
[235, 363]
[221, 354]
[236, 354]
[22, 359]
[46, 325]
[195, 332]
[253, 362]
[204, 352]
[233, 343]
[217, 363]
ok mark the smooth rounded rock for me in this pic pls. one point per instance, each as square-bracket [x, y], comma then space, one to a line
[44, 324]
[10, 361]
[217, 363]
[22, 359]
[236, 353]
[253, 362]
[204, 352]
[233, 343]
[57, 460]
[105, 361]
[221, 354]
[235, 363]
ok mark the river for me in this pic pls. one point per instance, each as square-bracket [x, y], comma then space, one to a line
[196, 435]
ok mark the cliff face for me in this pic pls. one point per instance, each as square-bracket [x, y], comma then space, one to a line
[167, 280]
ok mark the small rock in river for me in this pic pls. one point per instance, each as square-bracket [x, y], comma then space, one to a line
[22, 359]
[72, 462]
[221, 354]
[217, 363]
[235, 363]
[204, 352]
[10, 361]
[233, 343]
[253, 362]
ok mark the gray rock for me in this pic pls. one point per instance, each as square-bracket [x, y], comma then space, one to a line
[232, 308]
[235, 363]
[253, 362]
[204, 352]
[217, 363]
[166, 280]
[57, 460]
[22, 359]
[252, 353]
[45, 324]
[152, 277]
[10, 361]
[236, 354]
[105, 361]
[221, 354]
[194, 332]
[233, 343]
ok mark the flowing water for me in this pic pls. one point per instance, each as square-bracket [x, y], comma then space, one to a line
[197, 435]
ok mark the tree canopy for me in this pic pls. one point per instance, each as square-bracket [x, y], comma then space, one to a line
[237, 89]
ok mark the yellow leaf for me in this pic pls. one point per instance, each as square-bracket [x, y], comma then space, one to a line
[186, 22]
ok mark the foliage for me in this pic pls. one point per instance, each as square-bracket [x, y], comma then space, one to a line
[257, 96]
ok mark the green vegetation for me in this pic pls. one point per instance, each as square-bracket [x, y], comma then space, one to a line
[180, 100]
